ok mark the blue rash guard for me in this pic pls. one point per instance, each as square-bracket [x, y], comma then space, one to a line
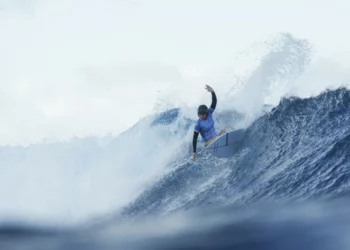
[205, 127]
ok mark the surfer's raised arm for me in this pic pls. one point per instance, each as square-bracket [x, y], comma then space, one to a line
[213, 97]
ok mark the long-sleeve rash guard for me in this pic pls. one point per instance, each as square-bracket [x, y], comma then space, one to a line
[205, 127]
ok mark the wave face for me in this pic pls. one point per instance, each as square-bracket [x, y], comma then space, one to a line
[298, 151]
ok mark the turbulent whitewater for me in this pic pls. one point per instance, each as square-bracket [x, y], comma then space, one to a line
[287, 187]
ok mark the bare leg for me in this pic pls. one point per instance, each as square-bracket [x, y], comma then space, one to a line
[212, 139]
[222, 132]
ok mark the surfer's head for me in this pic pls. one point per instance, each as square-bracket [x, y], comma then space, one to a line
[202, 112]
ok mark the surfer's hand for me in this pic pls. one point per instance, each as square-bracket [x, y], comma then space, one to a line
[193, 156]
[210, 89]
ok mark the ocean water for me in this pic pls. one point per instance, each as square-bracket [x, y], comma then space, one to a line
[287, 187]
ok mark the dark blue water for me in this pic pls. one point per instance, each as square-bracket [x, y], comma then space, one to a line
[298, 151]
[286, 188]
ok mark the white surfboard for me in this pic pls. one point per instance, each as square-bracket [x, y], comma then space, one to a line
[227, 144]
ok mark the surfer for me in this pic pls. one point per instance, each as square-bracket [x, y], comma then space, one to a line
[205, 124]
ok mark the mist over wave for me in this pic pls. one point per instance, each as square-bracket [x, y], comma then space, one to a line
[139, 190]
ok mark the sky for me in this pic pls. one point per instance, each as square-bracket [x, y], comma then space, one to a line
[93, 67]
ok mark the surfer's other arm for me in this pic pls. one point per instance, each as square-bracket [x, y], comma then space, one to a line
[194, 143]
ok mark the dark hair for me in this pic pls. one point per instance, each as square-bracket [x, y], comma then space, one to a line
[202, 109]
